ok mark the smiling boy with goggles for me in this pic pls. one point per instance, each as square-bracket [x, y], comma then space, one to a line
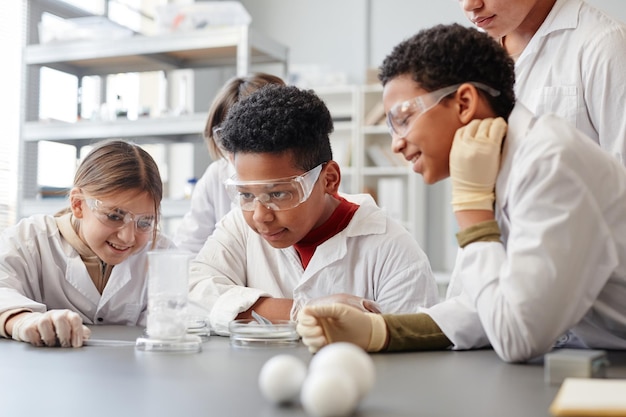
[400, 116]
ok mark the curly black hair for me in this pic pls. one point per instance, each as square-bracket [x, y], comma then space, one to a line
[445, 55]
[277, 119]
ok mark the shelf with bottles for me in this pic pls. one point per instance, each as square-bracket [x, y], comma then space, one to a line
[375, 140]
[372, 106]
[379, 157]
[182, 128]
[390, 192]
[342, 103]
[237, 47]
[402, 196]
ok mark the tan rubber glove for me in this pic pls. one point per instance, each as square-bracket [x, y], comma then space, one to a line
[321, 325]
[52, 328]
[475, 162]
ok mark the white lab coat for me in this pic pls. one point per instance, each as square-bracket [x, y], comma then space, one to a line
[209, 203]
[574, 66]
[561, 267]
[374, 257]
[39, 270]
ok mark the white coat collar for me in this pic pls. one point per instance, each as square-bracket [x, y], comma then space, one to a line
[369, 219]
[563, 16]
[76, 275]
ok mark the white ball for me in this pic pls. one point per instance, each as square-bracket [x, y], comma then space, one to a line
[329, 393]
[350, 359]
[281, 378]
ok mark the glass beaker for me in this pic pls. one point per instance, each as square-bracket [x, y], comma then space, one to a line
[168, 288]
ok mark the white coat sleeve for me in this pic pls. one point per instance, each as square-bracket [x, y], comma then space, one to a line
[405, 281]
[218, 274]
[559, 256]
[604, 93]
[20, 268]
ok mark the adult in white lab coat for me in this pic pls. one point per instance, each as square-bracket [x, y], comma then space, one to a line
[569, 60]
[548, 266]
[86, 265]
[293, 238]
[209, 201]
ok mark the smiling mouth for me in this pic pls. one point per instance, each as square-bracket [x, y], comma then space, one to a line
[117, 247]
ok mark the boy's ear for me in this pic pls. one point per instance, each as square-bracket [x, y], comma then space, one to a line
[76, 203]
[468, 100]
[331, 175]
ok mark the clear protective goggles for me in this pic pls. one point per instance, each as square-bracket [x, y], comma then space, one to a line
[279, 194]
[401, 115]
[117, 218]
[216, 133]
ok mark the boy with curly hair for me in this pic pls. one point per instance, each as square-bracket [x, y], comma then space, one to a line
[293, 238]
[540, 209]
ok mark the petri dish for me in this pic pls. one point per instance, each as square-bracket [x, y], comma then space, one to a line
[250, 333]
[187, 344]
[199, 326]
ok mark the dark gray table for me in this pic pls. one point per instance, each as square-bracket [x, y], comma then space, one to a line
[222, 381]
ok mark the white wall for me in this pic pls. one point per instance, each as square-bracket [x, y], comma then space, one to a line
[615, 8]
[334, 34]
[328, 33]
[395, 20]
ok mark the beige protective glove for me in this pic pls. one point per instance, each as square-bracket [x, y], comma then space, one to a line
[475, 162]
[321, 325]
[360, 303]
[52, 328]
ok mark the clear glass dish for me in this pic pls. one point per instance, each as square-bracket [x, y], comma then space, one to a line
[187, 344]
[250, 333]
[199, 326]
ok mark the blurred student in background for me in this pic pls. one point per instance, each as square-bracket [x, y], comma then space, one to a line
[209, 201]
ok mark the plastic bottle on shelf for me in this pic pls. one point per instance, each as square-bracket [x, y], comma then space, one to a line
[79, 103]
[189, 187]
[120, 110]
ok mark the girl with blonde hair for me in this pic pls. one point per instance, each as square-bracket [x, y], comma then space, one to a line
[88, 263]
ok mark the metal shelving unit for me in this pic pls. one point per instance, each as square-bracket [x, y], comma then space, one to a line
[236, 46]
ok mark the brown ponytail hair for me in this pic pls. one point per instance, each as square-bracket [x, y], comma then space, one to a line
[234, 90]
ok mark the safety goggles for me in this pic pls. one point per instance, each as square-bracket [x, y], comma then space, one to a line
[401, 115]
[217, 132]
[116, 218]
[279, 194]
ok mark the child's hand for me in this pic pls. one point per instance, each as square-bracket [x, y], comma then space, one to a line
[475, 162]
[52, 328]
